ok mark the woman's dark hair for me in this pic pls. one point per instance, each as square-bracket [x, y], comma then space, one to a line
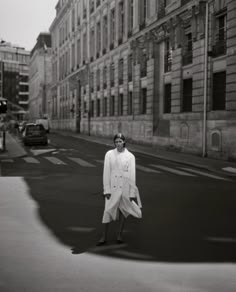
[120, 136]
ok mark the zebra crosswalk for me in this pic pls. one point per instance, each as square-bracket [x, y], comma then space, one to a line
[149, 169]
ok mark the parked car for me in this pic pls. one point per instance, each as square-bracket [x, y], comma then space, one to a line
[45, 123]
[34, 134]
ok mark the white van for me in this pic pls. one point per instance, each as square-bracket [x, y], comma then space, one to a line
[45, 123]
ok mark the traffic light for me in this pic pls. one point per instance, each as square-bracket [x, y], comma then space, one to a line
[3, 106]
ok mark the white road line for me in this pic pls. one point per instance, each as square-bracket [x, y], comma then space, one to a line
[30, 159]
[204, 173]
[172, 170]
[146, 169]
[81, 162]
[230, 169]
[8, 160]
[55, 160]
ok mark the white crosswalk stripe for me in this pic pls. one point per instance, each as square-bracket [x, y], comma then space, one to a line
[81, 162]
[30, 159]
[230, 169]
[55, 160]
[204, 173]
[172, 170]
[146, 169]
[99, 161]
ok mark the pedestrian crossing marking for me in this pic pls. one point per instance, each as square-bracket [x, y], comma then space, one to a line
[30, 159]
[55, 160]
[230, 169]
[81, 162]
[204, 173]
[37, 152]
[146, 169]
[172, 170]
[99, 161]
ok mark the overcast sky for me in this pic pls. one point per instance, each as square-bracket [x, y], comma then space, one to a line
[21, 21]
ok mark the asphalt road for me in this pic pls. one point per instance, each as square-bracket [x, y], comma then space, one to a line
[186, 240]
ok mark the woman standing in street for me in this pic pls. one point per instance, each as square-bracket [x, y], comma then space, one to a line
[120, 191]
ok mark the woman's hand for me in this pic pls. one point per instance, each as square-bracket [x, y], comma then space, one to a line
[134, 200]
[107, 196]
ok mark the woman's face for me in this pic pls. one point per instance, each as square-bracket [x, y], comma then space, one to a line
[119, 144]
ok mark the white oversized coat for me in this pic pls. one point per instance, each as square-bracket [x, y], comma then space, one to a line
[119, 181]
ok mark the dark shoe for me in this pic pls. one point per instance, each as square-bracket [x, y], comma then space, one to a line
[102, 242]
[119, 241]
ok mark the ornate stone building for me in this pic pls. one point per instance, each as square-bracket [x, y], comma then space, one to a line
[162, 72]
[40, 77]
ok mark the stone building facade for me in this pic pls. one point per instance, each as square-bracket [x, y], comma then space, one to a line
[161, 72]
[40, 77]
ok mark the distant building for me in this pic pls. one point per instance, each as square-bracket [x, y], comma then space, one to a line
[162, 72]
[14, 75]
[40, 76]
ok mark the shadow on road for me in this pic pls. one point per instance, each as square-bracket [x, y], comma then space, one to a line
[176, 227]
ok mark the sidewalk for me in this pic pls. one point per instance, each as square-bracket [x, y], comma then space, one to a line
[14, 150]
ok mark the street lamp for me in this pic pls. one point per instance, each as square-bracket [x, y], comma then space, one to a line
[204, 132]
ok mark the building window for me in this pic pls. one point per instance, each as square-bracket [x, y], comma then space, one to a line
[98, 107]
[188, 49]
[91, 81]
[92, 44]
[142, 13]
[112, 28]
[73, 20]
[92, 6]
[105, 34]
[167, 98]
[84, 48]
[98, 80]
[187, 95]
[120, 105]
[130, 67]
[112, 74]
[121, 71]
[219, 47]
[143, 101]
[121, 21]
[98, 3]
[143, 63]
[167, 57]
[131, 17]
[98, 38]
[78, 53]
[105, 107]
[112, 105]
[130, 103]
[219, 88]
[105, 77]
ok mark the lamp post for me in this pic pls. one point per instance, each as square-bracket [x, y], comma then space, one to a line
[204, 130]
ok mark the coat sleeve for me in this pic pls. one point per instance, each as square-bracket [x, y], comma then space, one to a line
[132, 176]
[107, 175]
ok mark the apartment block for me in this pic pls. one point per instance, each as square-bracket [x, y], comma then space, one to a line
[14, 79]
